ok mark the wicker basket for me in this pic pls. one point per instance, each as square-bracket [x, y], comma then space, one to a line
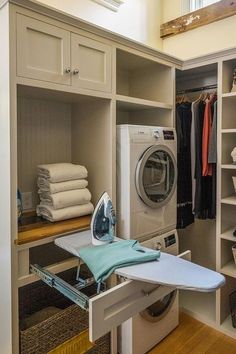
[59, 328]
[232, 302]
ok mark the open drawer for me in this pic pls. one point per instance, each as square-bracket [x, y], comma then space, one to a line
[138, 287]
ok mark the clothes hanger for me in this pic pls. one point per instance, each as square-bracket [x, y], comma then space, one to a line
[207, 97]
[185, 99]
[201, 96]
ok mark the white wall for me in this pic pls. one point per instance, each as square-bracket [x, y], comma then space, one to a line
[137, 19]
[216, 36]
[171, 9]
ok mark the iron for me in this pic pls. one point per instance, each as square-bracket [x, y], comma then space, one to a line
[103, 221]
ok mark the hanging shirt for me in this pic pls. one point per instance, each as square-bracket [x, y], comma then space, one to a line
[184, 181]
[193, 150]
[212, 158]
[212, 155]
[206, 167]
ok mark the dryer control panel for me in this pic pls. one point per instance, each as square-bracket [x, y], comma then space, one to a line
[168, 135]
[164, 134]
[170, 240]
[167, 242]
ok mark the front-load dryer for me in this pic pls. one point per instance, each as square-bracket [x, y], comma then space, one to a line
[142, 332]
[146, 180]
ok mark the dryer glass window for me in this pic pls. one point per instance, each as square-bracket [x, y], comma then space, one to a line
[158, 176]
[159, 309]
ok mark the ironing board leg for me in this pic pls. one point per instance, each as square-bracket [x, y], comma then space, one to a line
[98, 288]
[78, 271]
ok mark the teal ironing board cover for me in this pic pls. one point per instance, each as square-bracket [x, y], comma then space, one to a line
[105, 259]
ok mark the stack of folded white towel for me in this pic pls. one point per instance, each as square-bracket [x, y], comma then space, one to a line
[62, 191]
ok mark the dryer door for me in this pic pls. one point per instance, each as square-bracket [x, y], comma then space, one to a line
[160, 308]
[156, 176]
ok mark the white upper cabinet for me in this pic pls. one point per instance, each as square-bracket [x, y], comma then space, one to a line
[49, 53]
[43, 51]
[91, 63]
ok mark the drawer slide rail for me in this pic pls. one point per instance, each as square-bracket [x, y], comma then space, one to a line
[63, 287]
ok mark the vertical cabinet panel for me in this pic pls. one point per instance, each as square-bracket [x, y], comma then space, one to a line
[43, 51]
[91, 63]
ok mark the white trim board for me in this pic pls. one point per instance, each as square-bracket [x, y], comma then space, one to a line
[110, 4]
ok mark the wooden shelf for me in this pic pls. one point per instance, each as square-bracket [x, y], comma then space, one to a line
[229, 95]
[33, 228]
[228, 131]
[229, 269]
[229, 200]
[132, 103]
[228, 235]
[229, 166]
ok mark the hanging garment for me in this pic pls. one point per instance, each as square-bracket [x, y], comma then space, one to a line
[185, 215]
[206, 167]
[203, 196]
[194, 109]
[212, 157]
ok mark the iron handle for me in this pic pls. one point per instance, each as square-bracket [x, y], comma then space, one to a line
[76, 71]
[67, 70]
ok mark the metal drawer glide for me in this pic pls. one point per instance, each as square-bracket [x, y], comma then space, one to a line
[63, 287]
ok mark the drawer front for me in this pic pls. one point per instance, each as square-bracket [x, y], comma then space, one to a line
[43, 51]
[118, 304]
[91, 64]
[110, 308]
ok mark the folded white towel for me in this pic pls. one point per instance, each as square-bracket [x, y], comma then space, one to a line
[60, 172]
[65, 199]
[63, 214]
[46, 186]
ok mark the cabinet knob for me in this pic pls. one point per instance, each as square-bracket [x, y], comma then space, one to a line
[67, 70]
[76, 71]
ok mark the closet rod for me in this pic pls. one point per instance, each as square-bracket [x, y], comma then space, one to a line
[196, 89]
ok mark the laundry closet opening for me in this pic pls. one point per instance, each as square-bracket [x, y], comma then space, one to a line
[198, 229]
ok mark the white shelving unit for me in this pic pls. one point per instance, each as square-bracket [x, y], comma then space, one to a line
[228, 234]
[132, 103]
[140, 99]
[231, 200]
[227, 131]
[228, 167]
[229, 269]
[226, 221]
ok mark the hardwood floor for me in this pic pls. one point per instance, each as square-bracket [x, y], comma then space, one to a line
[193, 337]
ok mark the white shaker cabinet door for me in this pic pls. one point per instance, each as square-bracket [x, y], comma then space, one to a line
[43, 51]
[90, 64]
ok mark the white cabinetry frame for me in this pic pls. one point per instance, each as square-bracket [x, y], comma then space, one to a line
[48, 53]
[43, 51]
[90, 63]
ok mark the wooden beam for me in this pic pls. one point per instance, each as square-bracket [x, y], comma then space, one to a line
[202, 17]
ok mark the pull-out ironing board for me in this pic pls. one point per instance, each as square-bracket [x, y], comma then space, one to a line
[142, 285]
[168, 270]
